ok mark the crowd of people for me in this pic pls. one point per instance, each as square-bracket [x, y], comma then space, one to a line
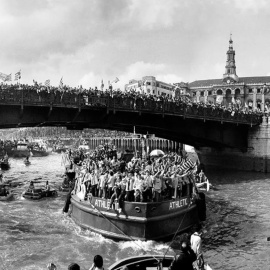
[132, 99]
[101, 174]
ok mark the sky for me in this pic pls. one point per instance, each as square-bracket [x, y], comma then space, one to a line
[86, 41]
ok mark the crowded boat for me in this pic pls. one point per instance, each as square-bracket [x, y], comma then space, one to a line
[133, 195]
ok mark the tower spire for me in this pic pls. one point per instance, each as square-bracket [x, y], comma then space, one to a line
[230, 68]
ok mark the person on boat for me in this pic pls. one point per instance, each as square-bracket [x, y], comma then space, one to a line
[31, 186]
[3, 191]
[129, 187]
[138, 187]
[185, 258]
[47, 188]
[97, 264]
[116, 193]
[1, 177]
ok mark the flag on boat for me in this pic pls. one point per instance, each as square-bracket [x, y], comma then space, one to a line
[3, 76]
[8, 78]
[47, 83]
[17, 75]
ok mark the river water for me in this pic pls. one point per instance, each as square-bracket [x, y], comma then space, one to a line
[34, 233]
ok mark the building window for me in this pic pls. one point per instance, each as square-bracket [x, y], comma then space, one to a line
[158, 93]
[258, 91]
[148, 83]
[194, 94]
[157, 84]
[202, 94]
[209, 93]
[250, 90]
[153, 91]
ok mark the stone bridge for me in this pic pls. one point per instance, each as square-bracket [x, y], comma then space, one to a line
[179, 121]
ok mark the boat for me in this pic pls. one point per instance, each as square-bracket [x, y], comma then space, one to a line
[38, 193]
[137, 220]
[146, 262]
[204, 186]
[27, 162]
[20, 149]
[8, 197]
[67, 185]
[4, 164]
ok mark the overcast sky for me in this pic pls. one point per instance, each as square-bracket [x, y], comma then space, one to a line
[85, 41]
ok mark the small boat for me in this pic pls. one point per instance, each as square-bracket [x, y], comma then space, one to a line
[204, 186]
[4, 164]
[27, 162]
[7, 197]
[146, 262]
[38, 193]
[19, 150]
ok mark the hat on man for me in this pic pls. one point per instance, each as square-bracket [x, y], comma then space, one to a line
[74, 266]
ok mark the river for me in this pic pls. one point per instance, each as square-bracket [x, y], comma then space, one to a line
[34, 233]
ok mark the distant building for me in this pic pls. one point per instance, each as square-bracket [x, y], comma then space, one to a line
[150, 85]
[253, 91]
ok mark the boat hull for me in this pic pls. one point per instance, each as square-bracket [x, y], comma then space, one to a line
[6, 198]
[38, 194]
[136, 221]
[4, 165]
[18, 153]
[37, 153]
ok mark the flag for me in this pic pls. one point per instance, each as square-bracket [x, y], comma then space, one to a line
[3, 76]
[219, 99]
[116, 80]
[61, 84]
[8, 78]
[18, 75]
[47, 83]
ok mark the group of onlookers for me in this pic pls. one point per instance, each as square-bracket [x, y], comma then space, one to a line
[66, 94]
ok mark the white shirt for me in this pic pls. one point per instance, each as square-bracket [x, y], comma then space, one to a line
[196, 243]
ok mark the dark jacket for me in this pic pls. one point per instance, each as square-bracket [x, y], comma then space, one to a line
[184, 260]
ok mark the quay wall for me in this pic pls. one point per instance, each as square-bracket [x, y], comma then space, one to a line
[255, 158]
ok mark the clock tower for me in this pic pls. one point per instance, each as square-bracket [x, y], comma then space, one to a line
[230, 68]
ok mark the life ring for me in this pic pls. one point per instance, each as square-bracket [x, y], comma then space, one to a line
[137, 209]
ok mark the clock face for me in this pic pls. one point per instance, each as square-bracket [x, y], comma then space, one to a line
[228, 81]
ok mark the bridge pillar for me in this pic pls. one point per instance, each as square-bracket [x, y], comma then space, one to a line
[255, 158]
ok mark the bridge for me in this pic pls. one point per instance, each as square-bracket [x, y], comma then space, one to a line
[179, 121]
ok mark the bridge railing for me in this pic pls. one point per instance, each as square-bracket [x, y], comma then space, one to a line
[29, 96]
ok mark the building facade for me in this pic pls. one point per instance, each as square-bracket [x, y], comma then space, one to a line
[248, 91]
[149, 84]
